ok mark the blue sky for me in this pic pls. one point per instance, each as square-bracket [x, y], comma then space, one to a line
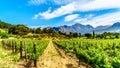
[43, 13]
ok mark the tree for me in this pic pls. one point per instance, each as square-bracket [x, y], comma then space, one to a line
[93, 34]
[50, 30]
[88, 35]
[75, 34]
[99, 36]
[4, 34]
[70, 34]
[19, 29]
[45, 30]
[12, 30]
[38, 30]
[32, 30]
[4, 25]
[80, 35]
[117, 36]
[59, 32]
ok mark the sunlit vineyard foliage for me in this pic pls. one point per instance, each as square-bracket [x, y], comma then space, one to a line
[97, 53]
[40, 46]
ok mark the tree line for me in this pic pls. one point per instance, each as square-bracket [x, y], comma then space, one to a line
[4, 25]
[21, 30]
[105, 35]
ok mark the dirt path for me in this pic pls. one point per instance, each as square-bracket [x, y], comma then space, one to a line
[53, 57]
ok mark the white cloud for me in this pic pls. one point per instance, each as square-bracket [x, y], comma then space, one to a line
[35, 17]
[99, 5]
[87, 17]
[92, 5]
[70, 1]
[36, 2]
[71, 17]
[81, 20]
[76, 6]
[62, 1]
[58, 2]
[106, 19]
[59, 12]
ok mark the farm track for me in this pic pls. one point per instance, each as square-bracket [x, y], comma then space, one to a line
[54, 57]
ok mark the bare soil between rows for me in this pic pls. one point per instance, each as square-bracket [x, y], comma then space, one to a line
[54, 57]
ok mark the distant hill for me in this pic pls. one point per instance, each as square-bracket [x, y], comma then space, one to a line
[80, 28]
[4, 25]
[74, 28]
[88, 28]
[113, 28]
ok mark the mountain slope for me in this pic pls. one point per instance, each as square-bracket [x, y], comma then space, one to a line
[74, 28]
[88, 28]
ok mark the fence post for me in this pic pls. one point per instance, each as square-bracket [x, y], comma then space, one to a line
[113, 47]
[25, 48]
[80, 44]
[35, 60]
[28, 54]
[12, 46]
[20, 49]
[8, 44]
[4, 42]
[15, 47]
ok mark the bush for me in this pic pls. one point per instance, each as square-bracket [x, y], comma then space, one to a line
[4, 34]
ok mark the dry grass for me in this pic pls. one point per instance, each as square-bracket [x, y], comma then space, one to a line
[7, 59]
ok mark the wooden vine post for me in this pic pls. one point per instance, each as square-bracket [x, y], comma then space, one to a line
[12, 46]
[4, 43]
[15, 47]
[113, 47]
[20, 49]
[9, 44]
[25, 48]
[35, 60]
[80, 44]
[74, 45]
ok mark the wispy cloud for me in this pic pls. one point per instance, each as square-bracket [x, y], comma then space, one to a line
[59, 12]
[36, 2]
[70, 1]
[86, 18]
[106, 19]
[88, 5]
[62, 1]
[71, 17]
[93, 5]
[57, 2]
[99, 5]
[79, 20]
[36, 16]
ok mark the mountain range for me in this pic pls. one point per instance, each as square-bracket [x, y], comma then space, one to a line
[88, 28]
